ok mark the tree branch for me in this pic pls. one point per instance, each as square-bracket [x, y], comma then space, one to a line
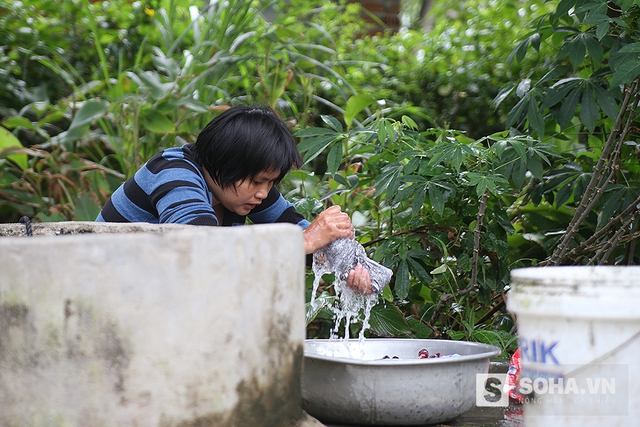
[598, 235]
[594, 191]
[482, 206]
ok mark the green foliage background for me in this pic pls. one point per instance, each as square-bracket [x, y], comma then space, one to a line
[504, 135]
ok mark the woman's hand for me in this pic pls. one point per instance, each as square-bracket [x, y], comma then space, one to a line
[359, 280]
[332, 224]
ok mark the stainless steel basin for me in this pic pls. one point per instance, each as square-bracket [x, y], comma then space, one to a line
[348, 382]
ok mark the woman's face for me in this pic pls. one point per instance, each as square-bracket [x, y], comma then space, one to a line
[245, 195]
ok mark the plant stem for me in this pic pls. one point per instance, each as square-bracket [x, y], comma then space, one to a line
[491, 312]
[598, 235]
[594, 191]
[476, 237]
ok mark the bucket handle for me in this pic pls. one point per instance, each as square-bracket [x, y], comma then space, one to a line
[606, 355]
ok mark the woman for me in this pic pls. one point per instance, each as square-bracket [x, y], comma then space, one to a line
[229, 174]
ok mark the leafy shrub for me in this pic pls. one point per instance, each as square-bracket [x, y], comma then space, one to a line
[433, 207]
[454, 70]
[584, 210]
[61, 32]
[122, 108]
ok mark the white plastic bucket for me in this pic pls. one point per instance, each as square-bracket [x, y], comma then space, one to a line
[579, 338]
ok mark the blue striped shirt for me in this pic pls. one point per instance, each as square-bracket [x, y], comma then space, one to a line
[171, 188]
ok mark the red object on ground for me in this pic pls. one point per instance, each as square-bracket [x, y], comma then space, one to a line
[513, 376]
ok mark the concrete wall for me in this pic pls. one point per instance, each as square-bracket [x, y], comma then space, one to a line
[193, 326]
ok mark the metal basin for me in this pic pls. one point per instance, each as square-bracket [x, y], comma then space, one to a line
[349, 382]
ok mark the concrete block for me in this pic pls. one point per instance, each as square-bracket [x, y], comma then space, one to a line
[118, 325]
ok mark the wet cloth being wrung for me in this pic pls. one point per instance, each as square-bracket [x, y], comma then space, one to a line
[342, 256]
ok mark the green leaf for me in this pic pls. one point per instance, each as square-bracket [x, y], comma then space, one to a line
[387, 293]
[625, 5]
[393, 186]
[167, 65]
[404, 193]
[577, 52]
[278, 81]
[52, 117]
[284, 32]
[389, 130]
[442, 268]
[535, 41]
[403, 251]
[86, 209]
[589, 111]
[8, 140]
[455, 335]
[418, 200]
[569, 107]
[606, 101]
[355, 105]
[334, 158]
[420, 329]
[190, 104]
[501, 217]
[626, 73]
[417, 270]
[402, 280]
[308, 205]
[382, 133]
[519, 52]
[516, 112]
[505, 91]
[602, 29]
[559, 91]
[564, 194]
[519, 148]
[523, 87]
[485, 182]
[535, 166]
[16, 122]
[340, 179]
[436, 197]
[389, 173]
[51, 217]
[314, 146]
[90, 111]
[594, 48]
[499, 148]
[333, 123]
[156, 122]
[518, 172]
[595, 19]
[451, 150]
[152, 81]
[536, 121]
[323, 300]
[409, 122]
[563, 8]
[305, 133]
[611, 202]
[412, 165]
[388, 321]
[630, 48]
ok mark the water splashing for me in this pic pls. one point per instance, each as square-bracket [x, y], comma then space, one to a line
[339, 258]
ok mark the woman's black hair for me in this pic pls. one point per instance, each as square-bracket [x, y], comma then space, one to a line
[242, 142]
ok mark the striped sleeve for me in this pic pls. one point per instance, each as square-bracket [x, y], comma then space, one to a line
[168, 189]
